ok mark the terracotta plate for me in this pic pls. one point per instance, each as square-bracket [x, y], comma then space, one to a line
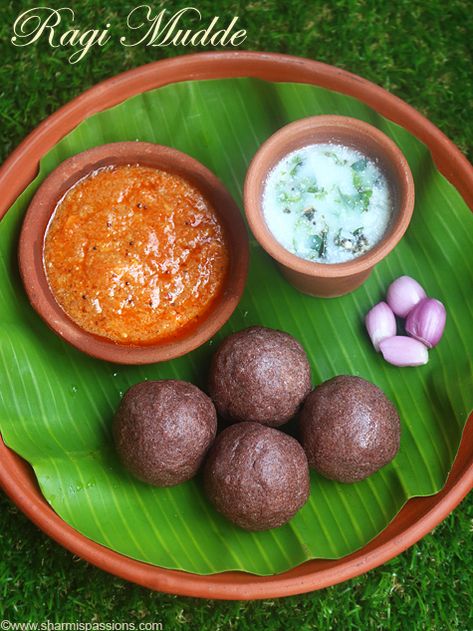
[419, 515]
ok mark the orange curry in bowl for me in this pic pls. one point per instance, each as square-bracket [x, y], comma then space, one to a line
[135, 254]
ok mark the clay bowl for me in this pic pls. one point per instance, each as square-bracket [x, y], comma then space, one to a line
[147, 154]
[335, 279]
[419, 515]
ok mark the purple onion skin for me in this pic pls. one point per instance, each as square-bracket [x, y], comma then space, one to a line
[403, 295]
[380, 323]
[426, 322]
[401, 350]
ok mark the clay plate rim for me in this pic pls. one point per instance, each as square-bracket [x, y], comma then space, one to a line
[66, 175]
[355, 133]
[419, 515]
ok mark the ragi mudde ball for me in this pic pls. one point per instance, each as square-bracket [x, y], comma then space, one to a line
[163, 429]
[256, 476]
[349, 429]
[260, 375]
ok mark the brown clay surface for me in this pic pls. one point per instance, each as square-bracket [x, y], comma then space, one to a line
[419, 515]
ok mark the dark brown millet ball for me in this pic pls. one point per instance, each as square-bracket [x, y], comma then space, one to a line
[163, 429]
[260, 375]
[256, 476]
[349, 429]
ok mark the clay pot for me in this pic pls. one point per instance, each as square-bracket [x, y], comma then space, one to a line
[330, 279]
[61, 180]
[419, 515]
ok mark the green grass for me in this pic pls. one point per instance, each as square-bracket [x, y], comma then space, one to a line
[420, 51]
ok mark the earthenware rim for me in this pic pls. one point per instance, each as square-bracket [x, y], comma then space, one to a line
[419, 515]
[352, 130]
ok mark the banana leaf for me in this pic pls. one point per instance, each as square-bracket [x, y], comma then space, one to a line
[57, 404]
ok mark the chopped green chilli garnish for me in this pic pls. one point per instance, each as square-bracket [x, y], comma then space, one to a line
[327, 203]
[358, 181]
[297, 162]
[335, 158]
[365, 197]
[318, 242]
[360, 165]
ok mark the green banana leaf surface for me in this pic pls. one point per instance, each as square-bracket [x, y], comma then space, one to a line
[57, 404]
